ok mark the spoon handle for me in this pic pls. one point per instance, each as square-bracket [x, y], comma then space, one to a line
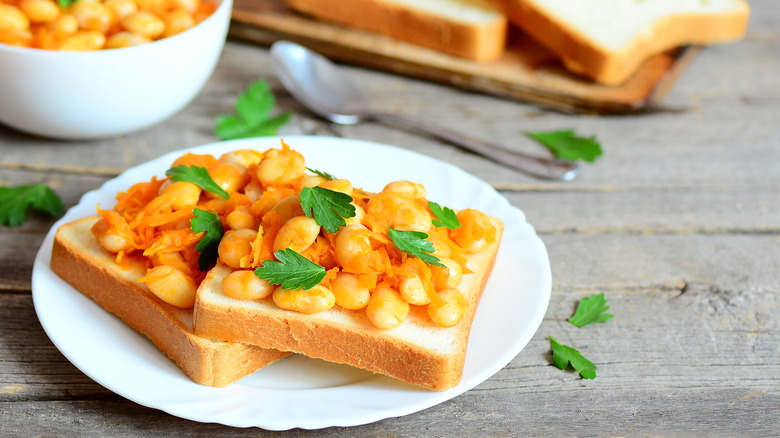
[552, 169]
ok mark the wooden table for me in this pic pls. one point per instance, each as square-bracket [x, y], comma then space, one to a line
[678, 224]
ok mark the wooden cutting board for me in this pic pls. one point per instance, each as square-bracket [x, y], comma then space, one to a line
[527, 72]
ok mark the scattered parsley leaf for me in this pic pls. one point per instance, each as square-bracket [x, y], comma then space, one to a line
[198, 176]
[209, 222]
[567, 145]
[414, 243]
[591, 310]
[65, 3]
[15, 202]
[445, 216]
[252, 119]
[292, 271]
[328, 207]
[325, 175]
[563, 356]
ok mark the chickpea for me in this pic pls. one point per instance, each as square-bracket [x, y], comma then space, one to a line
[281, 167]
[447, 277]
[171, 285]
[313, 180]
[121, 8]
[245, 285]
[393, 210]
[386, 309]
[235, 245]
[144, 23]
[338, 185]
[177, 21]
[174, 259]
[228, 177]
[353, 248]
[314, 300]
[348, 291]
[297, 233]
[92, 16]
[476, 231]
[184, 194]
[288, 208]
[40, 11]
[242, 158]
[406, 189]
[12, 18]
[190, 6]
[448, 311]
[63, 26]
[241, 218]
[19, 38]
[83, 42]
[413, 291]
[121, 40]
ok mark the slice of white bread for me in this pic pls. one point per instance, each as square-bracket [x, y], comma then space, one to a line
[607, 40]
[472, 29]
[79, 259]
[417, 351]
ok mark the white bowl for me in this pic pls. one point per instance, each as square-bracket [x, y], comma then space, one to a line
[89, 95]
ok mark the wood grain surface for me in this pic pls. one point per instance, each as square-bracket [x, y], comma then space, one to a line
[678, 223]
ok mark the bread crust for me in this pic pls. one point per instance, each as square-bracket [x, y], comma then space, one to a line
[347, 337]
[79, 259]
[581, 54]
[479, 42]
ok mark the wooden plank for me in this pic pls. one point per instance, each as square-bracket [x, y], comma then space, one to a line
[527, 71]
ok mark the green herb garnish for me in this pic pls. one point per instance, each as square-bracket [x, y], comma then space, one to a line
[328, 207]
[208, 222]
[15, 202]
[65, 3]
[292, 271]
[253, 115]
[563, 356]
[591, 310]
[414, 243]
[198, 176]
[325, 175]
[567, 145]
[445, 217]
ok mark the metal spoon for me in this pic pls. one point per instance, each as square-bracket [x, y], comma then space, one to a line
[320, 86]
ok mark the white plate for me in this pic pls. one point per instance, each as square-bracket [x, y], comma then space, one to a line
[301, 392]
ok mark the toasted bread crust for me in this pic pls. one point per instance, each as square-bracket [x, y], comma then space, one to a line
[476, 41]
[582, 55]
[79, 260]
[345, 336]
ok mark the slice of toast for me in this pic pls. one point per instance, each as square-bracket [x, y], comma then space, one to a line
[79, 259]
[417, 351]
[607, 40]
[472, 29]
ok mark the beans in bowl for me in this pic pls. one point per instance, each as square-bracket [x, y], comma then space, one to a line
[84, 25]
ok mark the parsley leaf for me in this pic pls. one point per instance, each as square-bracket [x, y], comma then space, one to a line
[445, 217]
[252, 118]
[65, 3]
[209, 222]
[591, 310]
[292, 271]
[414, 243]
[198, 176]
[328, 207]
[563, 356]
[325, 175]
[16, 201]
[567, 145]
